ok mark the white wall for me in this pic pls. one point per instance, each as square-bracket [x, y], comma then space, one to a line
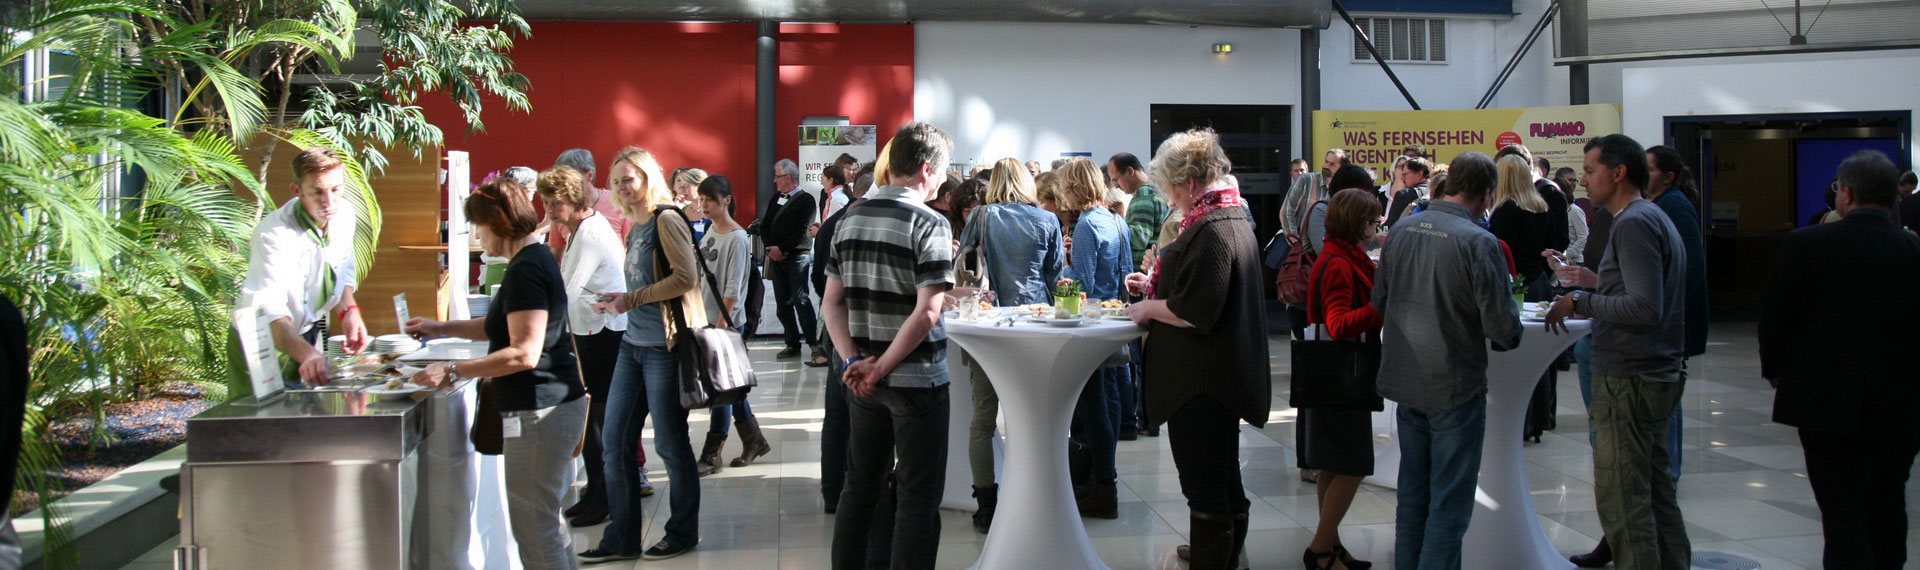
[1477, 48]
[1816, 83]
[1033, 91]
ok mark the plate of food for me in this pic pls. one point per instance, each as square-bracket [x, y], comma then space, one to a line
[1068, 322]
[1113, 308]
[394, 389]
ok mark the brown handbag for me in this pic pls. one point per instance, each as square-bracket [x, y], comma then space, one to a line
[487, 433]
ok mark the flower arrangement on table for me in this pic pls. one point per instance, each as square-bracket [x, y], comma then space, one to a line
[1067, 294]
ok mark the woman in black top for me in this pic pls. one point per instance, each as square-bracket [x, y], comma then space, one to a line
[1205, 357]
[536, 385]
[1521, 218]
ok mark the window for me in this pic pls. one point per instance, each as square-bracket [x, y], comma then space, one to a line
[1403, 39]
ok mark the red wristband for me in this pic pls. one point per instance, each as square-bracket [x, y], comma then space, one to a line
[350, 308]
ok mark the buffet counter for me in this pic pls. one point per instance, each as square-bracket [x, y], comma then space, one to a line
[341, 479]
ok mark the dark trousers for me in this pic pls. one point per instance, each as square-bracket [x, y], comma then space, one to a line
[598, 352]
[1096, 419]
[1205, 439]
[1860, 484]
[833, 436]
[791, 302]
[910, 423]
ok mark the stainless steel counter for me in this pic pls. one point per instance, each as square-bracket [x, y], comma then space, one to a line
[305, 480]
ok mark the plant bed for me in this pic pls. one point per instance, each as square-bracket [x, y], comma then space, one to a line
[133, 432]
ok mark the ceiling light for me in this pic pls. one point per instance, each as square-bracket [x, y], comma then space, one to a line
[1222, 48]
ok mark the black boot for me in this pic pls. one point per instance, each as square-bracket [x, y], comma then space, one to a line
[989, 498]
[1213, 542]
[1599, 558]
[710, 460]
[753, 444]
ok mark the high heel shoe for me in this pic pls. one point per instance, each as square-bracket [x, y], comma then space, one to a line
[1346, 559]
[1315, 560]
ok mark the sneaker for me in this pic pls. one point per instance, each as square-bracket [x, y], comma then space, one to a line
[646, 489]
[599, 555]
[788, 352]
[663, 551]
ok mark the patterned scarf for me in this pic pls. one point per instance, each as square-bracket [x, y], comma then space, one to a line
[1228, 197]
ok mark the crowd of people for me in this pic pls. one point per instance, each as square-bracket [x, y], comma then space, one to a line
[1428, 265]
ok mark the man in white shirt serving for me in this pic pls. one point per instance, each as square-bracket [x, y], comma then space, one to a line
[301, 265]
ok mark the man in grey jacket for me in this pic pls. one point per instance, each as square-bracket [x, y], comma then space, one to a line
[1639, 317]
[1443, 288]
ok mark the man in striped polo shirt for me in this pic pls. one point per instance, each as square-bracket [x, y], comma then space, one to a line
[892, 261]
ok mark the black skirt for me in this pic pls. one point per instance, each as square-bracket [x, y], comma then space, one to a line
[1335, 440]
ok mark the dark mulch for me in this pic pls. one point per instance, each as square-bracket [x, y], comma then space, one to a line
[138, 431]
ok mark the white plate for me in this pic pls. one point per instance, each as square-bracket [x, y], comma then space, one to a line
[405, 390]
[1063, 323]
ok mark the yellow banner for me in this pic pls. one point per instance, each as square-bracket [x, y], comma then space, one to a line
[1375, 138]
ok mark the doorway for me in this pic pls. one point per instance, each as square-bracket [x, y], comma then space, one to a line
[1762, 176]
[1258, 140]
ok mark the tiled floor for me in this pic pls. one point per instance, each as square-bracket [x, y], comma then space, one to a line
[1744, 492]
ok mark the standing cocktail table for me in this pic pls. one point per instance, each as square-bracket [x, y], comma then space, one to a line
[1038, 371]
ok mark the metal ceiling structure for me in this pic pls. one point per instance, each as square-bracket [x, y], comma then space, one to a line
[1306, 14]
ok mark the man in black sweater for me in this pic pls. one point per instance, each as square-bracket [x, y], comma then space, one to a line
[1834, 320]
[784, 232]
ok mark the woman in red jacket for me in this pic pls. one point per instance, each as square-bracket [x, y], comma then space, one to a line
[1339, 442]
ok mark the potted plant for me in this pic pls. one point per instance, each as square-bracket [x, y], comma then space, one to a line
[1067, 296]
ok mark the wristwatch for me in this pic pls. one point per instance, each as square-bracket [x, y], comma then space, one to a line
[453, 371]
[1577, 296]
[850, 361]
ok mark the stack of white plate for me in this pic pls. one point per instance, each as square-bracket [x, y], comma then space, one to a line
[337, 347]
[477, 305]
[394, 344]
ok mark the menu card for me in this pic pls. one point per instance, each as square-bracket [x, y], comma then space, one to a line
[400, 311]
[256, 345]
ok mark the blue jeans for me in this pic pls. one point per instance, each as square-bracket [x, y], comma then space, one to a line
[1097, 413]
[910, 424]
[644, 380]
[1583, 356]
[1439, 469]
[790, 299]
[724, 415]
[1129, 400]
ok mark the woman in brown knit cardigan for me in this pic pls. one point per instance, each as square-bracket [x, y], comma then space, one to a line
[1205, 358]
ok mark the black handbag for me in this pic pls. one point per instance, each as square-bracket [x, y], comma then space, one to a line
[1335, 374]
[713, 363]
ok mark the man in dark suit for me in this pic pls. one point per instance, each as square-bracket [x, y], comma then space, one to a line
[1835, 315]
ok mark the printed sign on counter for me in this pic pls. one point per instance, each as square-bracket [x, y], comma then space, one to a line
[256, 344]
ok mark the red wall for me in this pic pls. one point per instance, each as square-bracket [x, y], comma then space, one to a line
[683, 91]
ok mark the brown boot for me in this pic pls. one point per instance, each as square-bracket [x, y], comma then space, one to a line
[753, 444]
[710, 460]
[1100, 502]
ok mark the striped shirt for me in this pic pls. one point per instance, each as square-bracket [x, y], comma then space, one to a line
[884, 251]
[1144, 216]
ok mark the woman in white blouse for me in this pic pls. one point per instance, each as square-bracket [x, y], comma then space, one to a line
[726, 250]
[590, 264]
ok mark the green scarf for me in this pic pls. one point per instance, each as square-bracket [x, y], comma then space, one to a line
[318, 236]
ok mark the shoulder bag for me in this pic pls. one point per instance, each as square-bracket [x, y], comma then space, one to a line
[1335, 374]
[713, 363]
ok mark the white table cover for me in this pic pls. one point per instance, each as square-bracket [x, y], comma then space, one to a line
[1038, 372]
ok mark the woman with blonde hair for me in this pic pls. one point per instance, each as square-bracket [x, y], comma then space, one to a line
[1102, 255]
[1206, 350]
[686, 185]
[662, 295]
[1520, 218]
[1021, 244]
